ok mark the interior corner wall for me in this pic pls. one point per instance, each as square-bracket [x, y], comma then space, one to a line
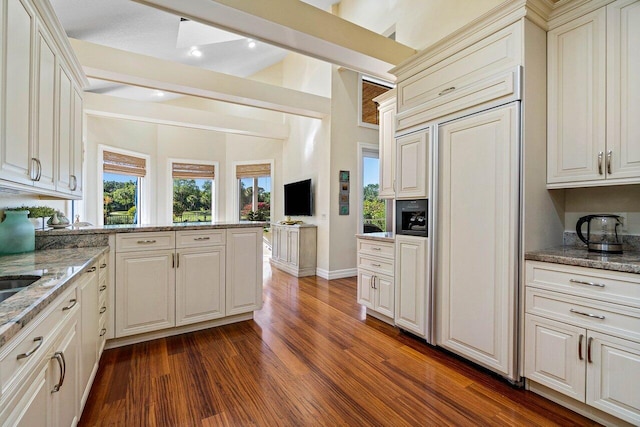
[345, 136]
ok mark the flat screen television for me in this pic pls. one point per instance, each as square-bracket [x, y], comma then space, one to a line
[298, 198]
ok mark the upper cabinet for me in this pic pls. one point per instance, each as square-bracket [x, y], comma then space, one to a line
[593, 96]
[40, 103]
[412, 165]
[387, 151]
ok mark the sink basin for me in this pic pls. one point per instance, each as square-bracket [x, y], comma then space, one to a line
[10, 285]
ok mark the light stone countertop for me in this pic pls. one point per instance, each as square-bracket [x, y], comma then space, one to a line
[59, 268]
[130, 228]
[628, 262]
[380, 237]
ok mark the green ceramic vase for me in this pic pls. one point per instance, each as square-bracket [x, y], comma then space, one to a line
[17, 234]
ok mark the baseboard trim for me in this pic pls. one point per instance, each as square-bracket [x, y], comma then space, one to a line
[336, 274]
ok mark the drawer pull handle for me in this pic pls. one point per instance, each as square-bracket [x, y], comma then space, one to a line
[39, 340]
[376, 249]
[376, 265]
[103, 265]
[447, 90]
[595, 316]
[581, 282]
[62, 363]
[146, 242]
[102, 332]
[103, 309]
[198, 239]
[91, 270]
[70, 306]
[102, 288]
[589, 349]
[580, 347]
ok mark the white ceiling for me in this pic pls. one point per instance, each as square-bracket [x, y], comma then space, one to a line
[133, 27]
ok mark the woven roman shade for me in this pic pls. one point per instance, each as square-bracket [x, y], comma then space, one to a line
[123, 164]
[253, 171]
[192, 171]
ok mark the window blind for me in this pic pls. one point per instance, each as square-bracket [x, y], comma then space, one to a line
[192, 171]
[124, 164]
[253, 171]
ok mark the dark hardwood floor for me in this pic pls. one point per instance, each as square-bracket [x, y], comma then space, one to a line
[310, 358]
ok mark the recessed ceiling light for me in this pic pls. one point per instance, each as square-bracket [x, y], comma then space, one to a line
[159, 93]
[251, 44]
[195, 52]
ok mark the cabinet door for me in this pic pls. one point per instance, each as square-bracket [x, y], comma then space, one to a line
[477, 260]
[77, 146]
[365, 288]
[275, 242]
[65, 142]
[145, 292]
[283, 245]
[293, 246]
[15, 155]
[89, 315]
[623, 89]
[411, 284]
[44, 142]
[555, 355]
[200, 280]
[33, 409]
[412, 165]
[387, 151]
[384, 293]
[613, 376]
[244, 270]
[576, 100]
[66, 400]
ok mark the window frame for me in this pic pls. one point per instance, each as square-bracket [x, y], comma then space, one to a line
[214, 185]
[236, 185]
[363, 149]
[143, 210]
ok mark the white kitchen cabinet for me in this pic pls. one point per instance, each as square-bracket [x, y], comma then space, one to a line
[200, 284]
[64, 378]
[77, 143]
[64, 179]
[593, 138]
[145, 291]
[243, 270]
[412, 165]
[104, 310]
[477, 237]
[294, 248]
[411, 280]
[34, 407]
[376, 285]
[89, 336]
[387, 143]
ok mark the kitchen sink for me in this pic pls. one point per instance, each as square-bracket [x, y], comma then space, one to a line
[11, 285]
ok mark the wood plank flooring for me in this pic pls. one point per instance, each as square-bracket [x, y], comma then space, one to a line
[309, 358]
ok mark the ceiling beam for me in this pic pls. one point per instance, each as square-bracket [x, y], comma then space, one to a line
[297, 26]
[153, 112]
[106, 63]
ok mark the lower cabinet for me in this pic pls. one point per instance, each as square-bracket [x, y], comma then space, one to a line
[411, 277]
[244, 270]
[294, 248]
[375, 278]
[89, 314]
[63, 377]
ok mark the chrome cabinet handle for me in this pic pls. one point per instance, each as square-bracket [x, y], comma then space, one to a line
[146, 242]
[75, 182]
[39, 170]
[589, 349]
[600, 154]
[598, 285]
[33, 178]
[595, 316]
[178, 260]
[103, 265]
[173, 260]
[91, 270]
[376, 265]
[59, 357]
[580, 347]
[102, 332]
[70, 306]
[609, 154]
[197, 239]
[39, 340]
[447, 90]
[102, 288]
[103, 309]
[371, 282]
[376, 249]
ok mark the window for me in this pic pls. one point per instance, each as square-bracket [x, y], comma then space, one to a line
[375, 213]
[121, 184]
[254, 191]
[193, 191]
[368, 89]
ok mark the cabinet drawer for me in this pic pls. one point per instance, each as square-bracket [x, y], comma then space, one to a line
[375, 248]
[489, 56]
[198, 238]
[103, 266]
[103, 289]
[24, 350]
[130, 242]
[503, 87]
[378, 265]
[621, 288]
[613, 319]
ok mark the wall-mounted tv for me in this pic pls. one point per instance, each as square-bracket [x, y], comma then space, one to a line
[298, 198]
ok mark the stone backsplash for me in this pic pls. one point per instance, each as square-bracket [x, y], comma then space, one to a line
[53, 240]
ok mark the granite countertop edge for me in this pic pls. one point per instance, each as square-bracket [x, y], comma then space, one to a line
[20, 309]
[628, 262]
[380, 237]
[148, 228]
